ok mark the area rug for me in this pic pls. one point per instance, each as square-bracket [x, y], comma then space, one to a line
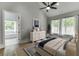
[31, 51]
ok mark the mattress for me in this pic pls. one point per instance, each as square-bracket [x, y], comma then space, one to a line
[55, 47]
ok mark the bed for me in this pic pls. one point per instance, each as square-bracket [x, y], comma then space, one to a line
[53, 46]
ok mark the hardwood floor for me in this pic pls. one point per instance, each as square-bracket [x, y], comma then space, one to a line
[15, 50]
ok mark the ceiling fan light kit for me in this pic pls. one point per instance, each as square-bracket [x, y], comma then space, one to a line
[48, 8]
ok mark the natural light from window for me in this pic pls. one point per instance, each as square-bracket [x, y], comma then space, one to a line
[67, 26]
[55, 26]
[10, 26]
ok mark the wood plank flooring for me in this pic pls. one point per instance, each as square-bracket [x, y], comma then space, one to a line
[15, 50]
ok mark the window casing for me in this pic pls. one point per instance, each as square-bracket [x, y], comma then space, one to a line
[64, 26]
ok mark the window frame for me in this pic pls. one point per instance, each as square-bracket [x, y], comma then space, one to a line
[60, 24]
[58, 27]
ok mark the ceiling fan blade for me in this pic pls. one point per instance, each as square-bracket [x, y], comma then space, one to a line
[53, 3]
[44, 3]
[43, 8]
[53, 7]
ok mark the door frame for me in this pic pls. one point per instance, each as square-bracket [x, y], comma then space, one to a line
[3, 30]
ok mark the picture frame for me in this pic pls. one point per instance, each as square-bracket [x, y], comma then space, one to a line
[36, 24]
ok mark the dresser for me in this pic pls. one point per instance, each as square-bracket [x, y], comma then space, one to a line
[37, 35]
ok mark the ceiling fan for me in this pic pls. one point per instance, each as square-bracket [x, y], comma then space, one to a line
[49, 6]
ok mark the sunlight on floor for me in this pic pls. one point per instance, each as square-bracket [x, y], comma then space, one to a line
[11, 45]
[11, 41]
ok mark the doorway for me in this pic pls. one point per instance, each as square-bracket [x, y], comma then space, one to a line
[11, 26]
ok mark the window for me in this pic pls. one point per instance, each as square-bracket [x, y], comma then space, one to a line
[55, 26]
[10, 26]
[68, 26]
[64, 26]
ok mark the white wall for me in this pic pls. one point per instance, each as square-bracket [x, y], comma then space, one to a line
[27, 11]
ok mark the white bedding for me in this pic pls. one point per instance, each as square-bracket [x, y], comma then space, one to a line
[55, 47]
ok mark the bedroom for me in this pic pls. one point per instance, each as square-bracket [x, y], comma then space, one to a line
[54, 30]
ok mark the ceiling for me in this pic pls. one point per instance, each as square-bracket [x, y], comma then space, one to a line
[63, 7]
